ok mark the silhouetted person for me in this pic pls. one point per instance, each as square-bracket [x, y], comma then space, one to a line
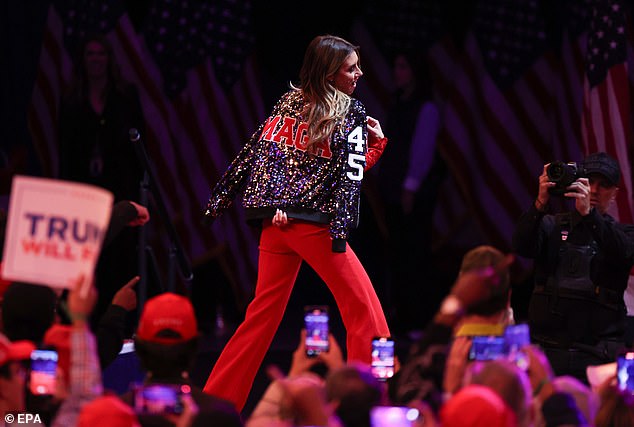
[409, 175]
[95, 118]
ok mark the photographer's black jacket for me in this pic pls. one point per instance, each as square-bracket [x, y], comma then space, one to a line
[558, 311]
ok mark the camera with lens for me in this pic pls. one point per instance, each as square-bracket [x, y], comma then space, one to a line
[563, 174]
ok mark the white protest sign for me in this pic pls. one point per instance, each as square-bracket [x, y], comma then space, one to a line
[54, 231]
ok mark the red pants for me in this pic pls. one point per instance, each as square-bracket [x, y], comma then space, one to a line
[282, 250]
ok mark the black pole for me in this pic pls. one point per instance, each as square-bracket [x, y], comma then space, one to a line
[176, 253]
[142, 286]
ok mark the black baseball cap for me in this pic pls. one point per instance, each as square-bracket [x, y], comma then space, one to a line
[603, 164]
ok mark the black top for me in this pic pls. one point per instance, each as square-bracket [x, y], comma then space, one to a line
[400, 125]
[95, 148]
[581, 299]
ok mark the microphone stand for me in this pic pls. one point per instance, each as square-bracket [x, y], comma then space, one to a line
[177, 255]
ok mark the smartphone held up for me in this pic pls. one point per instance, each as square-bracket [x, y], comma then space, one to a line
[42, 378]
[160, 399]
[507, 346]
[393, 416]
[625, 371]
[382, 358]
[317, 330]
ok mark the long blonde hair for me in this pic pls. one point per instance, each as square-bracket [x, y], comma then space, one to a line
[326, 105]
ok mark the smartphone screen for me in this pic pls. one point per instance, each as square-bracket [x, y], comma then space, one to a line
[485, 347]
[517, 336]
[393, 416]
[316, 325]
[625, 371]
[43, 372]
[158, 399]
[382, 358]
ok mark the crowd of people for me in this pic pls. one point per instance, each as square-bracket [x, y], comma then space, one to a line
[437, 384]
[300, 177]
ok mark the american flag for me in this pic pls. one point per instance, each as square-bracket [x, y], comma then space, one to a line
[503, 113]
[509, 81]
[383, 29]
[607, 122]
[197, 114]
[508, 106]
[209, 86]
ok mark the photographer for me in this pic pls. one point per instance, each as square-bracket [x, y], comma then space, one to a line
[582, 262]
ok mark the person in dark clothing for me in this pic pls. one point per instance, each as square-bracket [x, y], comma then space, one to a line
[166, 343]
[583, 259]
[409, 175]
[28, 310]
[95, 118]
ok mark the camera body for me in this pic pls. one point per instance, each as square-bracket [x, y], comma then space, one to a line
[563, 174]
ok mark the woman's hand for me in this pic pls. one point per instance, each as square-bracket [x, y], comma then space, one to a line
[280, 219]
[374, 128]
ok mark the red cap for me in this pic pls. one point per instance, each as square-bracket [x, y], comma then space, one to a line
[167, 313]
[14, 351]
[107, 411]
[476, 406]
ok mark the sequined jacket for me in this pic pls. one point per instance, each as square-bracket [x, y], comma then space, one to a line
[275, 170]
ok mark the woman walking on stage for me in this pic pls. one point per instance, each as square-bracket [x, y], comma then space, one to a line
[300, 175]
